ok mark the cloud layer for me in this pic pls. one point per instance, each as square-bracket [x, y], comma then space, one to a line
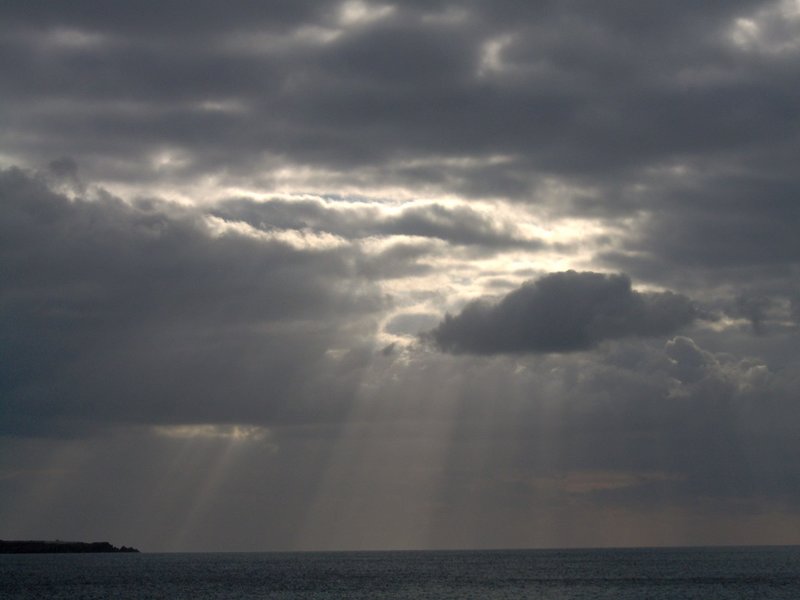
[152, 313]
[224, 230]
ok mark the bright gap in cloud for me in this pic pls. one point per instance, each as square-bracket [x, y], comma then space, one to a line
[67, 38]
[299, 239]
[231, 433]
[357, 12]
[772, 30]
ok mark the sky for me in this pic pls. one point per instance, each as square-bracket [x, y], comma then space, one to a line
[354, 275]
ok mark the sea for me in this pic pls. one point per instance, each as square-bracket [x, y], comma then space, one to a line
[621, 574]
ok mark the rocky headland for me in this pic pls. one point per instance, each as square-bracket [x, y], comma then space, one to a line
[57, 547]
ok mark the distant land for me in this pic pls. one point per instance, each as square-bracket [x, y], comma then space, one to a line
[57, 546]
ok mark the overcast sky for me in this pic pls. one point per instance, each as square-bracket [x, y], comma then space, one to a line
[361, 275]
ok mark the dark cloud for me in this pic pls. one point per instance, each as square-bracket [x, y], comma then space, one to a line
[638, 424]
[721, 223]
[728, 238]
[563, 312]
[752, 308]
[716, 423]
[160, 19]
[587, 92]
[795, 308]
[112, 311]
[660, 116]
[690, 362]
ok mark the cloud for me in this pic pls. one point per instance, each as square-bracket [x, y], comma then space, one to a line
[562, 312]
[684, 423]
[568, 96]
[147, 312]
[459, 225]
[691, 363]
[410, 323]
[591, 112]
[346, 172]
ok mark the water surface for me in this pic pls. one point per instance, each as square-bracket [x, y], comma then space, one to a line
[707, 573]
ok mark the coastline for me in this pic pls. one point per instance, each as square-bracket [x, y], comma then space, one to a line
[58, 547]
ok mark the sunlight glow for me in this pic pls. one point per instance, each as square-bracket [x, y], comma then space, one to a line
[772, 30]
[229, 106]
[69, 38]
[169, 159]
[356, 12]
[235, 433]
[299, 239]
[271, 42]
[491, 60]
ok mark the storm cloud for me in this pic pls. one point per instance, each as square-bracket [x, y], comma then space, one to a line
[149, 312]
[563, 312]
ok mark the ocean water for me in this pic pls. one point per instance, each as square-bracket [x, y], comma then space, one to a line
[660, 574]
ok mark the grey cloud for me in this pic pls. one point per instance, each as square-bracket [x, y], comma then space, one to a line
[410, 323]
[795, 308]
[112, 311]
[580, 101]
[458, 225]
[725, 222]
[661, 124]
[608, 98]
[716, 422]
[398, 260]
[563, 312]
[284, 214]
[64, 171]
[403, 54]
[160, 19]
[652, 423]
[754, 309]
[691, 363]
